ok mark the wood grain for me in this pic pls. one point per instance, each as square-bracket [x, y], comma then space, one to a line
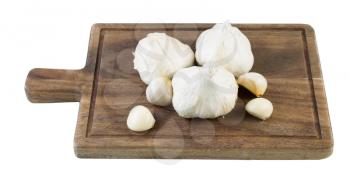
[108, 87]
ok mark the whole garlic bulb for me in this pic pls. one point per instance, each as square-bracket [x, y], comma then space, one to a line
[159, 55]
[227, 46]
[140, 119]
[204, 92]
[159, 91]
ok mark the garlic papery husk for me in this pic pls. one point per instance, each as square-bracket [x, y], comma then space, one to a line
[254, 82]
[204, 92]
[159, 55]
[227, 46]
[260, 108]
[159, 91]
[140, 119]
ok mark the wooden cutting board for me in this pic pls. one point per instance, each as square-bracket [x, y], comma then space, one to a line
[108, 87]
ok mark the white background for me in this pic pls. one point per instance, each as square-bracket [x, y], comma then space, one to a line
[36, 140]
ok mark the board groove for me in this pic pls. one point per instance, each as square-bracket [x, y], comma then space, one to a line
[307, 63]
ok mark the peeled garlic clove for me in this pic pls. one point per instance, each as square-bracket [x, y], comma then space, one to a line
[260, 108]
[254, 82]
[227, 46]
[159, 91]
[204, 92]
[140, 119]
[160, 55]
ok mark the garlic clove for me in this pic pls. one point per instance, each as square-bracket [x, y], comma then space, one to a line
[254, 82]
[260, 108]
[159, 91]
[140, 119]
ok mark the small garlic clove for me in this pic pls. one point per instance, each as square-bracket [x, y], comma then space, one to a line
[140, 119]
[159, 91]
[260, 108]
[254, 82]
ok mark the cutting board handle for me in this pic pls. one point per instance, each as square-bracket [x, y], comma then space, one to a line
[53, 85]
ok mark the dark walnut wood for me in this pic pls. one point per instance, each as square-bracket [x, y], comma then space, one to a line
[108, 87]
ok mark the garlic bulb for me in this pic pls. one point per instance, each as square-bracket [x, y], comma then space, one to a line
[159, 55]
[227, 46]
[204, 92]
[140, 119]
[260, 108]
[254, 82]
[159, 91]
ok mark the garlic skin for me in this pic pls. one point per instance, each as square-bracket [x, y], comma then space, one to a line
[140, 119]
[159, 55]
[260, 108]
[254, 82]
[159, 91]
[204, 92]
[227, 46]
